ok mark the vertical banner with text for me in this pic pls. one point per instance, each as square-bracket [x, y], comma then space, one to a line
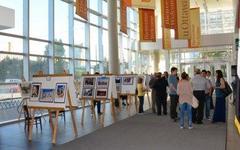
[143, 4]
[123, 16]
[183, 19]
[147, 25]
[166, 38]
[195, 31]
[169, 13]
[81, 9]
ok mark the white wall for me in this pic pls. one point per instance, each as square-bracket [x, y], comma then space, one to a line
[7, 18]
[206, 41]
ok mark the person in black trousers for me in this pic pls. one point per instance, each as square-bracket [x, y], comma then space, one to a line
[160, 86]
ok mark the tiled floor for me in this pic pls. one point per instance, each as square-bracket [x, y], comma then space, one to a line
[13, 136]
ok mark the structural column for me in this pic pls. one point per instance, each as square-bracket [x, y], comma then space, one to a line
[156, 58]
[113, 37]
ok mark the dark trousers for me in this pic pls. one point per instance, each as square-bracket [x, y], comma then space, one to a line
[211, 103]
[173, 106]
[141, 100]
[161, 103]
[98, 106]
[198, 112]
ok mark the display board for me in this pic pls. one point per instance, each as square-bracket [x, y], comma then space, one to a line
[98, 87]
[126, 84]
[51, 91]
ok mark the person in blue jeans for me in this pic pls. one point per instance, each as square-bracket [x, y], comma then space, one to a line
[208, 91]
[185, 92]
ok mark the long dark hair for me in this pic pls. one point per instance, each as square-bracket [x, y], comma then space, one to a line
[219, 75]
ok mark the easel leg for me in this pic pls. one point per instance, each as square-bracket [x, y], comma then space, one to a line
[104, 110]
[93, 110]
[50, 119]
[74, 122]
[120, 103]
[83, 110]
[136, 103]
[55, 128]
[31, 127]
[148, 100]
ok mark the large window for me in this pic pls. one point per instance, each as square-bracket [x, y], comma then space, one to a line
[38, 19]
[11, 44]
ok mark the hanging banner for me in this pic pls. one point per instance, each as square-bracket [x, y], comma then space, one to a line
[166, 38]
[169, 13]
[128, 2]
[123, 16]
[195, 28]
[81, 9]
[144, 4]
[147, 25]
[182, 30]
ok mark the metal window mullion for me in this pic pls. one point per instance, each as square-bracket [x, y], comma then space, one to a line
[87, 41]
[100, 41]
[26, 64]
[51, 35]
[71, 38]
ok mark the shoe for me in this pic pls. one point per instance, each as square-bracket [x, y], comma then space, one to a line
[123, 104]
[100, 113]
[175, 119]
[209, 119]
[190, 127]
[181, 127]
[199, 122]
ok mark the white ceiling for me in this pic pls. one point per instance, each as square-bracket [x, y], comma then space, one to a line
[212, 5]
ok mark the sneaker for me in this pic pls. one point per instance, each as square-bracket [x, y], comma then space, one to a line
[190, 127]
[209, 119]
[181, 127]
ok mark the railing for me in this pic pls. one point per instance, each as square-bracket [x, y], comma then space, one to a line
[10, 95]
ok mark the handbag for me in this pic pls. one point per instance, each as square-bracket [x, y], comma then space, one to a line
[195, 102]
[227, 90]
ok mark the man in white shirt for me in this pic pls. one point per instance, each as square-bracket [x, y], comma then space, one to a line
[211, 78]
[207, 95]
[200, 86]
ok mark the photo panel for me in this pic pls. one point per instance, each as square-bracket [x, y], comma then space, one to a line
[101, 93]
[60, 92]
[118, 80]
[87, 92]
[102, 82]
[47, 95]
[35, 91]
[89, 82]
[119, 89]
[128, 80]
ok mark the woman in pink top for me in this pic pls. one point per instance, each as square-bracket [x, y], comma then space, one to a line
[185, 93]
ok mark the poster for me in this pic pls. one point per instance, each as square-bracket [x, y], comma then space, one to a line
[60, 92]
[81, 8]
[195, 28]
[183, 19]
[123, 16]
[35, 91]
[129, 84]
[169, 13]
[166, 38]
[144, 4]
[147, 25]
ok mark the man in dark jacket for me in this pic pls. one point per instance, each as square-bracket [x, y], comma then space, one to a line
[160, 86]
[151, 83]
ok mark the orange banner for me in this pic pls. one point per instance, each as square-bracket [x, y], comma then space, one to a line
[128, 3]
[169, 13]
[123, 17]
[81, 9]
[143, 4]
[166, 38]
[183, 21]
[147, 25]
[195, 28]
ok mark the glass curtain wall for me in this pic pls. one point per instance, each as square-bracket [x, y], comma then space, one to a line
[52, 38]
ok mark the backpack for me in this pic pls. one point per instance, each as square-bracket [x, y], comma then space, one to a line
[227, 90]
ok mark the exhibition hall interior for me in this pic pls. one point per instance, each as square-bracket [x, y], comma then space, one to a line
[119, 75]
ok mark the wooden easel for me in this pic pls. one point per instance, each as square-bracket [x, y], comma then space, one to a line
[129, 100]
[54, 126]
[83, 109]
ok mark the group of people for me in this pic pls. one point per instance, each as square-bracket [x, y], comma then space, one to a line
[182, 91]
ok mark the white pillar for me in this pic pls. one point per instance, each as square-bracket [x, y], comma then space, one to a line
[113, 37]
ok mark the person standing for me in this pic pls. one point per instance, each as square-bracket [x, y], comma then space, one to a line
[220, 107]
[160, 86]
[153, 93]
[199, 88]
[172, 82]
[208, 91]
[140, 93]
[211, 78]
[185, 99]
